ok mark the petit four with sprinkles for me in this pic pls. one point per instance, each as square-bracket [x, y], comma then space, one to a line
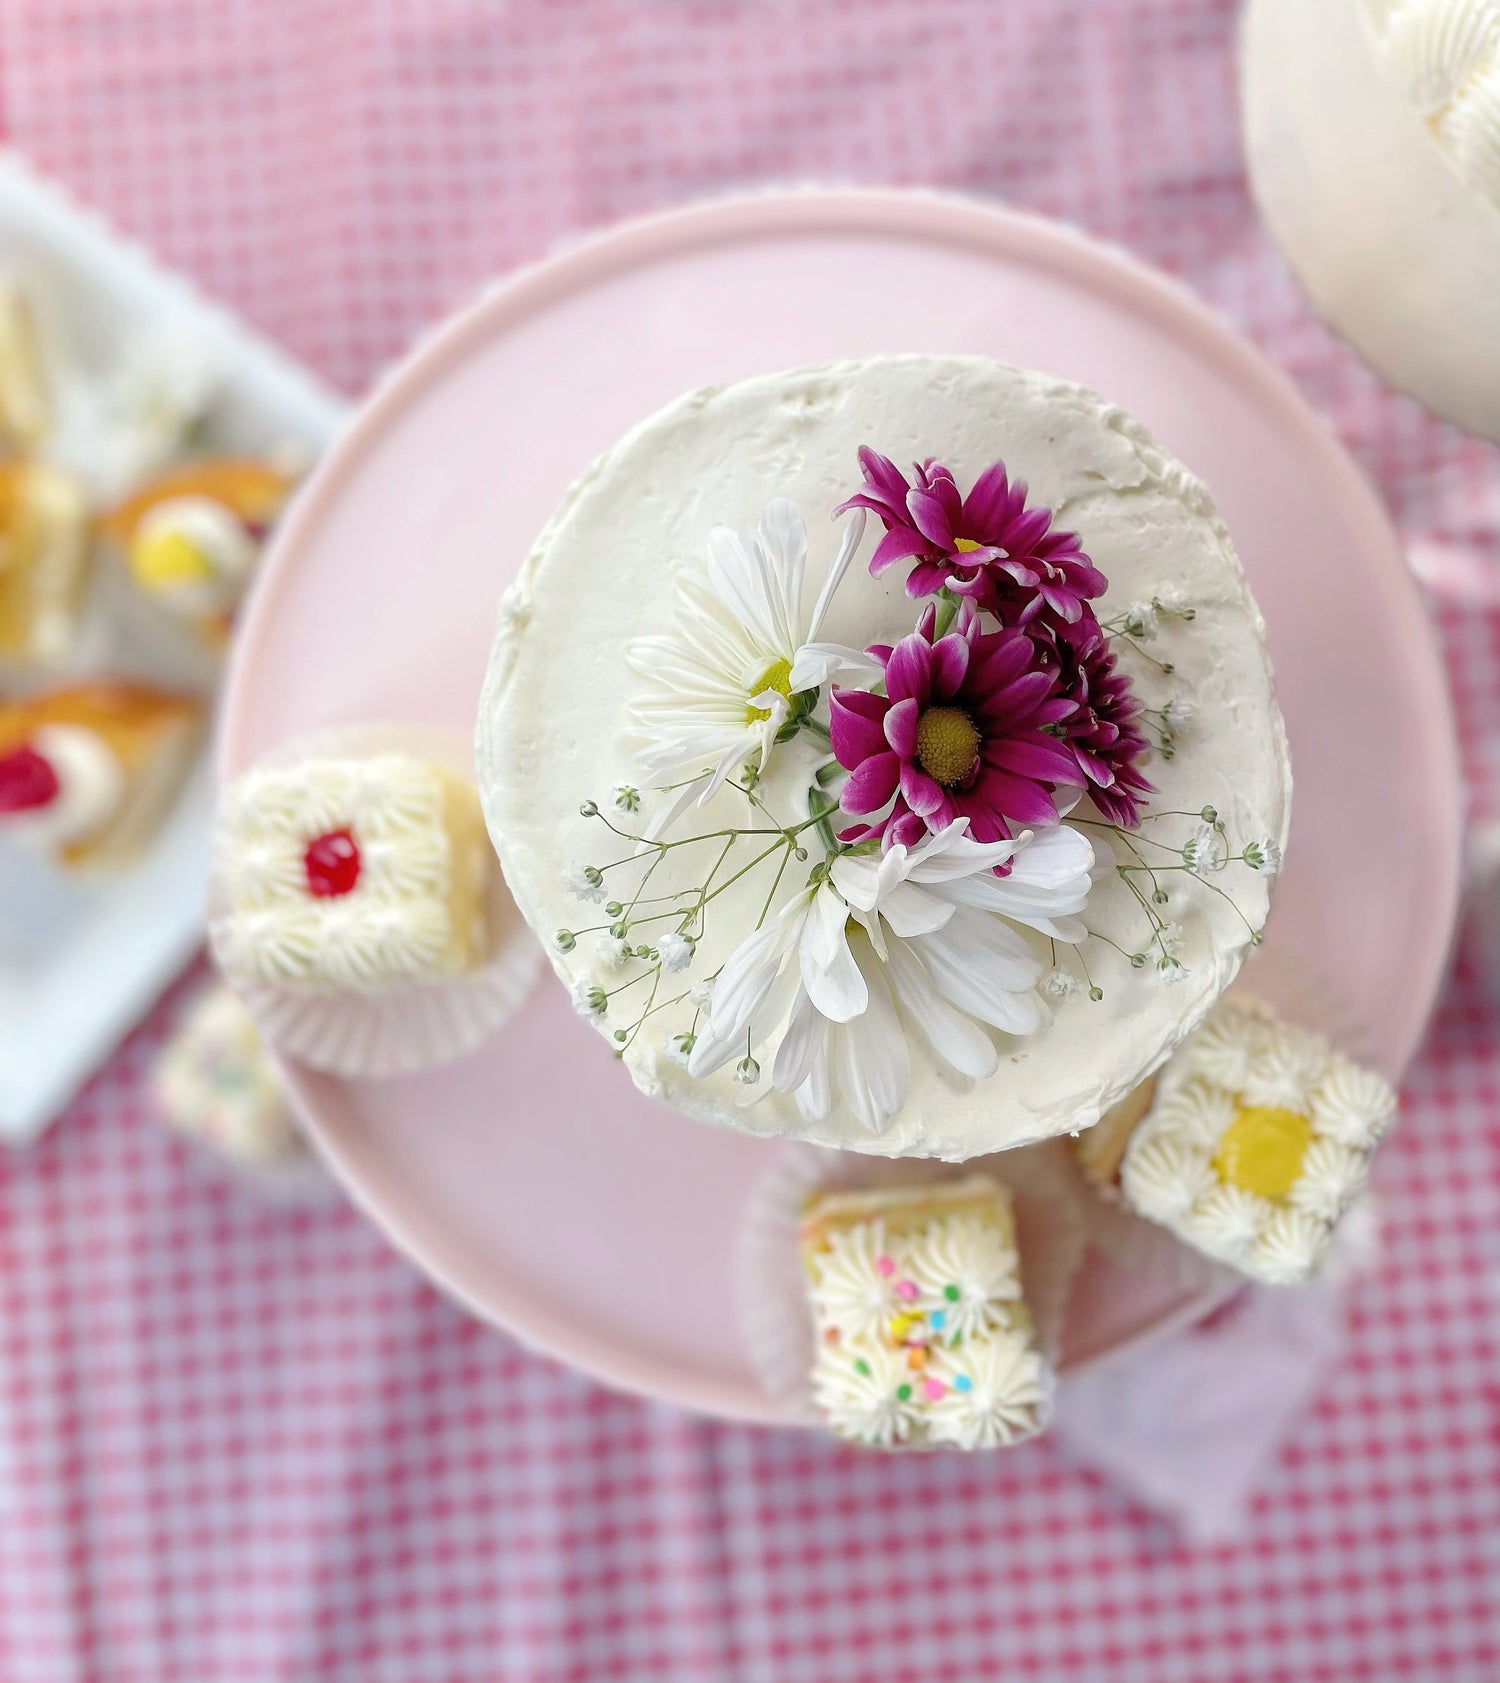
[922, 1337]
[217, 1085]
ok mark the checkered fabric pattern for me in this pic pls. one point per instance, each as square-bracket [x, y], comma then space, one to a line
[242, 1444]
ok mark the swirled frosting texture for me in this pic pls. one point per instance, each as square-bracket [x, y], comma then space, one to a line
[553, 722]
[1446, 54]
[397, 923]
[1258, 1140]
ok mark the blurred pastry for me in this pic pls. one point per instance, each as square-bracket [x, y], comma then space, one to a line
[24, 406]
[1249, 1145]
[44, 554]
[191, 538]
[218, 1086]
[923, 1337]
[88, 772]
[353, 874]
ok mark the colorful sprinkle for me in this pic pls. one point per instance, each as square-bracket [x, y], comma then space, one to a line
[830, 1335]
[938, 1319]
[861, 1366]
[903, 1393]
[932, 1389]
[886, 1265]
[906, 1290]
[962, 1382]
[916, 1357]
[952, 1293]
[901, 1325]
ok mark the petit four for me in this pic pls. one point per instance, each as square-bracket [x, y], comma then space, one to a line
[44, 554]
[88, 772]
[1249, 1145]
[352, 874]
[923, 1339]
[191, 538]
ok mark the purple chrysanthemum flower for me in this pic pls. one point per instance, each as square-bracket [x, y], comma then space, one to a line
[988, 545]
[1103, 730]
[961, 732]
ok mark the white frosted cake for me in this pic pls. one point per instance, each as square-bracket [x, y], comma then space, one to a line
[887, 754]
[1372, 132]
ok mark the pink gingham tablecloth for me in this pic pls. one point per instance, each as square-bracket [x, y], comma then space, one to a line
[242, 1444]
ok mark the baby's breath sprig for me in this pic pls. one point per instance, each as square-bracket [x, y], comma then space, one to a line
[649, 937]
[1203, 854]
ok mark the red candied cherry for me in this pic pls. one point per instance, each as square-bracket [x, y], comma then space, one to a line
[332, 864]
[27, 780]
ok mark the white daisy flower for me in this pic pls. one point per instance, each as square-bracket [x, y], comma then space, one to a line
[927, 928]
[740, 655]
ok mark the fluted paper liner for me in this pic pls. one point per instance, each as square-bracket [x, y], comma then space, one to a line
[397, 1030]
[772, 1288]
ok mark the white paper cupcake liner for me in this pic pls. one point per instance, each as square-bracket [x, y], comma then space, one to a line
[398, 1030]
[772, 1289]
[1299, 994]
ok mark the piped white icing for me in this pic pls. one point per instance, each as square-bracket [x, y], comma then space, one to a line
[973, 1257]
[216, 534]
[91, 785]
[1241, 1059]
[553, 718]
[1005, 1398]
[852, 1294]
[856, 1392]
[1446, 54]
[395, 926]
[217, 1084]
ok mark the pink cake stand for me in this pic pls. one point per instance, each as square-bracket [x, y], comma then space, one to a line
[530, 1180]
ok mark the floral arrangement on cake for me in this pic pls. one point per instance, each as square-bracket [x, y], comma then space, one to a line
[967, 786]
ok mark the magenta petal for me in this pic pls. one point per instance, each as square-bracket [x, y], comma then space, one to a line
[931, 518]
[923, 794]
[1049, 763]
[984, 824]
[950, 661]
[984, 507]
[906, 827]
[853, 735]
[871, 784]
[926, 578]
[896, 545]
[901, 727]
[906, 672]
[882, 473]
[1014, 797]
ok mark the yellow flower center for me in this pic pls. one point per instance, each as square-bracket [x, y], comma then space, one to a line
[947, 744]
[965, 546]
[1261, 1151]
[777, 676]
[166, 557]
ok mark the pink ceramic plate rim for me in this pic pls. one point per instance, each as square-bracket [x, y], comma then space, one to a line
[925, 217]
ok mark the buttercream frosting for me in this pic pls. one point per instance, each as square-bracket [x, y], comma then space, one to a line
[1256, 1143]
[193, 554]
[554, 719]
[91, 785]
[397, 920]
